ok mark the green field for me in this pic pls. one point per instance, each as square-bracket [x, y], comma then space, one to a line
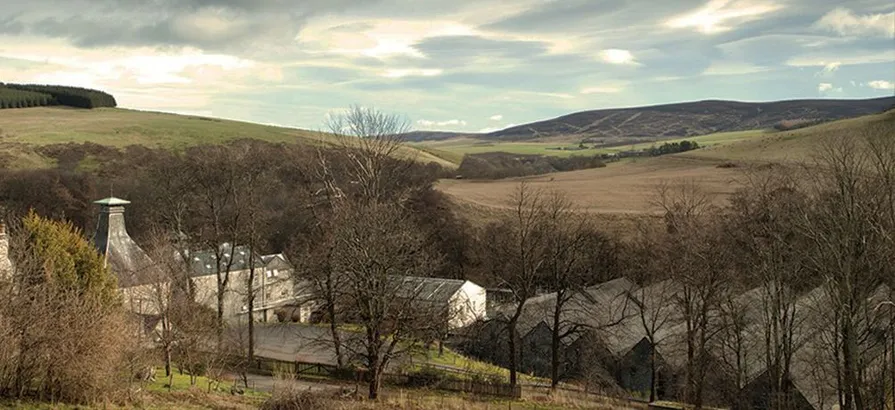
[454, 149]
[28, 127]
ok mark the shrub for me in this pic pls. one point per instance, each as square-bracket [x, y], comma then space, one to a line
[288, 396]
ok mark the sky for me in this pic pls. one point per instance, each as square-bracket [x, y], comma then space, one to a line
[456, 65]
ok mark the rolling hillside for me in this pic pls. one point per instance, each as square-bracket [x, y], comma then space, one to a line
[675, 120]
[23, 129]
[626, 189]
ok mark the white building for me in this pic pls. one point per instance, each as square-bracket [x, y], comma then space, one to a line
[463, 301]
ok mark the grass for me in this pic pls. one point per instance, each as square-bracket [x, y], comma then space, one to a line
[467, 366]
[118, 127]
[157, 396]
[455, 148]
[181, 382]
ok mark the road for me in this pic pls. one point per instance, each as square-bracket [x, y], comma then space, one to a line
[268, 384]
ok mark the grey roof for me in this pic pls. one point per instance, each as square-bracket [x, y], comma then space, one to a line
[204, 263]
[428, 289]
[124, 257]
[651, 306]
[596, 307]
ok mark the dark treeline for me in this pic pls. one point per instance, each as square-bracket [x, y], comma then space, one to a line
[672, 148]
[34, 95]
[496, 165]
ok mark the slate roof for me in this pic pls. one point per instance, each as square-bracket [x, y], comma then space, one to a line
[597, 307]
[428, 289]
[204, 263]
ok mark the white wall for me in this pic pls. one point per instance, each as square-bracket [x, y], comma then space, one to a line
[467, 305]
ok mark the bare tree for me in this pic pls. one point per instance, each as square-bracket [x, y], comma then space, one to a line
[370, 144]
[849, 226]
[650, 301]
[374, 247]
[771, 255]
[690, 254]
[576, 256]
[514, 253]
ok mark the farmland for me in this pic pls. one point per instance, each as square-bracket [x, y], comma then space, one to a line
[628, 187]
[454, 149]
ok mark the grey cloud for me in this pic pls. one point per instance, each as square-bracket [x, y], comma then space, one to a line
[265, 24]
[462, 48]
[590, 15]
[11, 26]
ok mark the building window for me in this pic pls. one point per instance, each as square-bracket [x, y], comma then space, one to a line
[269, 273]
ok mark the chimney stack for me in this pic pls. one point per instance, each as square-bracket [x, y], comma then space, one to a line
[110, 226]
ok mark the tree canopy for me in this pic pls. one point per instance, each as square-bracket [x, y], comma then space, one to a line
[64, 258]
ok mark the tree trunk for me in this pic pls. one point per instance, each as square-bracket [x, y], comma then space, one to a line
[653, 373]
[168, 359]
[334, 331]
[375, 384]
[511, 342]
[853, 398]
[554, 343]
[250, 354]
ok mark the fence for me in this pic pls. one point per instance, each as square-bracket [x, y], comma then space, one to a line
[491, 389]
[271, 367]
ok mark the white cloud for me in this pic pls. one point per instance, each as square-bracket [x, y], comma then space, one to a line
[881, 85]
[824, 88]
[411, 72]
[712, 17]
[497, 117]
[828, 69]
[601, 90]
[617, 56]
[448, 123]
[846, 23]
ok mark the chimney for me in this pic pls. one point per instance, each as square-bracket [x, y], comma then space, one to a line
[110, 226]
[120, 253]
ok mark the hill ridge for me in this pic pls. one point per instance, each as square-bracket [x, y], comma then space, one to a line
[681, 119]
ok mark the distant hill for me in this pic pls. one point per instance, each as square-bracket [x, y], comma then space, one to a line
[24, 131]
[683, 119]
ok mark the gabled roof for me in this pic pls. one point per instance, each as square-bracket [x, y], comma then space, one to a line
[428, 289]
[596, 307]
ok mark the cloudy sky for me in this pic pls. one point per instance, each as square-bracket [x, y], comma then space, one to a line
[464, 65]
